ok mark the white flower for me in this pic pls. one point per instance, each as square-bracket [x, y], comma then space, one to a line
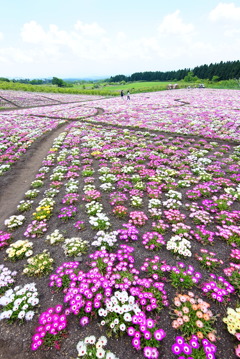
[25, 306]
[103, 340]
[29, 315]
[4, 301]
[110, 355]
[122, 327]
[125, 308]
[8, 314]
[100, 353]
[92, 339]
[21, 314]
[100, 312]
[82, 349]
[127, 317]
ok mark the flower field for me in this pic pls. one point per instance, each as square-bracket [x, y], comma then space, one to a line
[127, 242]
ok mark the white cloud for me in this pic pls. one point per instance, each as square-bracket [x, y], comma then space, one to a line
[173, 24]
[85, 48]
[33, 33]
[91, 30]
[232, 33]
[1, 36]
[16, 55]
[225, 11]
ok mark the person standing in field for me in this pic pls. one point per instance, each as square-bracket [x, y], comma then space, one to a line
[128, 95]
[122, 93]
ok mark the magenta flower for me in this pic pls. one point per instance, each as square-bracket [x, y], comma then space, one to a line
[84, 321]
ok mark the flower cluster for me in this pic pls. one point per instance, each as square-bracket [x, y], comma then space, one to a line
[218, 288]
[100, 221]
[160, 226]
[195, 348]
[36, 229]
[52, 323]
[184, 276]
[80, 225]
[233, 325]
[70, 198]
[203, 235]
[25, 205]
[55, 237]
[19, 250]
[37, 183]
[179, 245]
[208, 259]
[44, 210]
[193, 316]
[6, 278]
[120, 211]
[145, 335]
[39, 265]
[14, 222]
[130, 233]
[92, 195]
[93, 207]
[32, 193]
[201, 217]
[233, 321]
[137, 218]
[153, 240]
[103, 240]
[235, 255]
[75, 246]
[233, 274]
[18, 302]
[155, 267]
[4, 239]
[117, 312]
[90, 347]
[67, 213]
[174, 216]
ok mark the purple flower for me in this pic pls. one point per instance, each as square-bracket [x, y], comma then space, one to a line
[180, 340]
[147, 335]
[210, 356]
[136, 343]
[187, 349]
[176, 349]
[147, 352]
[131, 331]
[194, 344]
[155, 353]
[150, 323]
[84, 321]
[159, 334]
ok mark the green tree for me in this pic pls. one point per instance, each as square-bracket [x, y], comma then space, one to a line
[58, 82]
[190, 77]
[215, 78]
[4, 79]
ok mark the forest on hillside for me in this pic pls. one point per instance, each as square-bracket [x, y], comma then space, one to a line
[221, 71]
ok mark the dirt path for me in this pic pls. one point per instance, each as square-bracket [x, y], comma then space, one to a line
[18, 181]
[24, 171]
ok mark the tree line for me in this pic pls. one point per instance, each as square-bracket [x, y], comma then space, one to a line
[218, 71]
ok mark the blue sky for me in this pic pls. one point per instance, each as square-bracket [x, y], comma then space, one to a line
[82, 38]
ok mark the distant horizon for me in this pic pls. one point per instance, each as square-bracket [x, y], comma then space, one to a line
[102, 77]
